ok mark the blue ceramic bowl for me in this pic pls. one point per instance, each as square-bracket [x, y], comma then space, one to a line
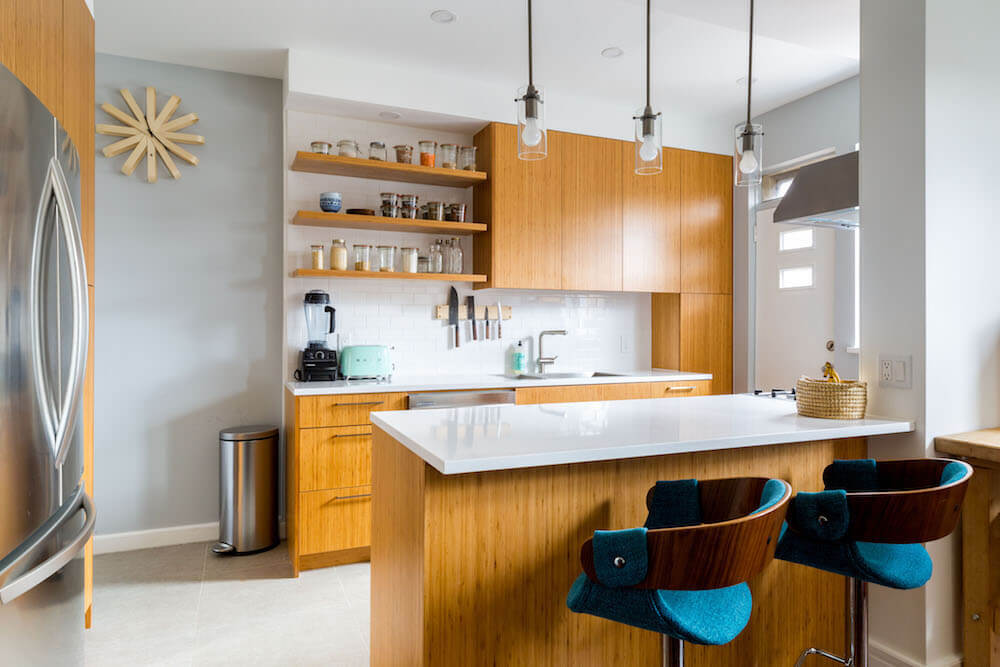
[330, 202]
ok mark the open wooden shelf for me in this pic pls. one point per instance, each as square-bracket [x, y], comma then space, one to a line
[351, 221]
[396, 275]
[317, 163]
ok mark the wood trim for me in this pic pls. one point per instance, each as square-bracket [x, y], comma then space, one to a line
[390, 275]
[317, 163]
[981, 570]
[712, 555]
[380, 223]
[292, 520]
[332, 558]
[482, 207]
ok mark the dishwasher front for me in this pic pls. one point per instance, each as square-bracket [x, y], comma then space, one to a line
[432, 400]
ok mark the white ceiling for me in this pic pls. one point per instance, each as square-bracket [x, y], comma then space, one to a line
[699, 46]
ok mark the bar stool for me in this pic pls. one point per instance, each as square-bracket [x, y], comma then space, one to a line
[869, 525]
[684, 573]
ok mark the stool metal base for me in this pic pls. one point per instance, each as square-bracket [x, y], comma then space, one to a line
[857, 629]
[673, 652]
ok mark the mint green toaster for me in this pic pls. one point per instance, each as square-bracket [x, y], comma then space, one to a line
[366, 362]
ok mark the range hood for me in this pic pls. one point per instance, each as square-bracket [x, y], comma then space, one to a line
[823, 194]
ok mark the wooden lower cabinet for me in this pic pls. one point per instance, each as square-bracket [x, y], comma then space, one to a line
[328, 443]
[694, 332]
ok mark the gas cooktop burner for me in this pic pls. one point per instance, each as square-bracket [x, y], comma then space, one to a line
[787, 394]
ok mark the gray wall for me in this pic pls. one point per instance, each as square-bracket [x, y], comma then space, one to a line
[828, 118]
[188, 311]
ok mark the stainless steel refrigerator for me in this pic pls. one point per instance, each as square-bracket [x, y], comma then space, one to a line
[46, 517]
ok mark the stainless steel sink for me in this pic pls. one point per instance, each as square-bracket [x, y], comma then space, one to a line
[570, 375]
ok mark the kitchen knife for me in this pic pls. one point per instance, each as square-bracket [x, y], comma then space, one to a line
[453, 311]
[499, 320]
[470, 304]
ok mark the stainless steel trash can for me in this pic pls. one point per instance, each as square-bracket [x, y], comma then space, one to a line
[248, 489]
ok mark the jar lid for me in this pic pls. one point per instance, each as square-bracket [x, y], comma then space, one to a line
[347, 141]
[317, 245]
[408, 248]
[338, 240]
[385, 246]
[443, 145]
[426, 141]
[403, 146]
[361, 245]
[317, 296]
[377, 144]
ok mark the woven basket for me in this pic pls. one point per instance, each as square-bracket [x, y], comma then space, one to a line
[831, 400]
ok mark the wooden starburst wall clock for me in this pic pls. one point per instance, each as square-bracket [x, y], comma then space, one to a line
[151, 134]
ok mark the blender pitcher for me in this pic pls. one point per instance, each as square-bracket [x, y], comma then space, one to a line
[317, 305]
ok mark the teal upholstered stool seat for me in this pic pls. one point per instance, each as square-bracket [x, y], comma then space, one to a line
[869, 525]
[653, 577]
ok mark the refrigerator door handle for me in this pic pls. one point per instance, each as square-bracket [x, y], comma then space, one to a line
[60, 419]
[36, 575]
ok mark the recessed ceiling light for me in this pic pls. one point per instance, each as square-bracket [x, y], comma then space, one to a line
[612, 52]
[389, 115]
[442, 16]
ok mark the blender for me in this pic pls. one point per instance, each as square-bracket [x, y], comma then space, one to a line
[319, 362]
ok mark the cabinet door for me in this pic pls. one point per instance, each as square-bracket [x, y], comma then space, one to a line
[706, 223]
[331, 458]
[337, 519]
[651, 224]
[706, 340]
[592, 211]
[522, 206]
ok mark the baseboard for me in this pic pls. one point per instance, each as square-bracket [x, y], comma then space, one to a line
[880, 655]
[160, 537]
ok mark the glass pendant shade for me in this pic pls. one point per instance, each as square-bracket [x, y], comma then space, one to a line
[532, 141]
[648, 142]
[748, 156]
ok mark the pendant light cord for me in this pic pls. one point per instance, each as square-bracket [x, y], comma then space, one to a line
[750, 64]
[531, 73]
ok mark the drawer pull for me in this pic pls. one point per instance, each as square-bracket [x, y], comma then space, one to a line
[687, 388]
[351, 435]
[356, 495]
[341, 405]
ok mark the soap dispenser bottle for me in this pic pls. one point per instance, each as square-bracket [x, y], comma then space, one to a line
[517, 360]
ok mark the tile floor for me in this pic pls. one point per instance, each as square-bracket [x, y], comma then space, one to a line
[183, 605]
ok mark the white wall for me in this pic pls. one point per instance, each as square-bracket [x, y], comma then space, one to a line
[188, 328]
[606, 330]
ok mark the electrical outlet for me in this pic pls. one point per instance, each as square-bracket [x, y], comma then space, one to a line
[626, 345]
[895, 370]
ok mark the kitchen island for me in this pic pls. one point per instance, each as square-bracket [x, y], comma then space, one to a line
[479, 514]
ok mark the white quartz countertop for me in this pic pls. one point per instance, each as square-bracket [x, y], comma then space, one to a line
[404, 383]
[476, 439]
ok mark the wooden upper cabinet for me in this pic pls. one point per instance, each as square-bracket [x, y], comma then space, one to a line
[591, 210]
[706, 223]
[651, 224]
[521, 202]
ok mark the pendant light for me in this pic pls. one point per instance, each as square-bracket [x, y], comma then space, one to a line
[648, 130]
[531, 135]
[749, 136]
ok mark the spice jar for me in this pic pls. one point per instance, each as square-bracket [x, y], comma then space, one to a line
[386, 258]
[467, 158]
[347, 148]
[449, 156]
[455, 213]
[338, 255]
[423, 264]
[362, 257]
[318, 257]
[427, 149]
[390, 205]
[435, 210]
[408, 206]
[409, 260]
[404, 153]
[376, 151]
[321, 147]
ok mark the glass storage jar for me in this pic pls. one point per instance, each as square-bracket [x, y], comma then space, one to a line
[404, 153]
[390, 205]
[347, 148]
[427, 152]
[467, 158]
[436, 258]
[362, 257]
[408, 206]
[423, 264]
[338, 255]
[318, 257]
[376, 151]
[455, 213]
[449, 156]
[409, 260]
[435, 210]
[386, 258]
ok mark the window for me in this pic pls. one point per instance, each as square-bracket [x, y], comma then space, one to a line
[795, 239]
[797, 277]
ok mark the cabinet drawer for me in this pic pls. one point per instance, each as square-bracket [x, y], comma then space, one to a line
[684, 388]
[331, 458]
[336, 519]
[345, 409]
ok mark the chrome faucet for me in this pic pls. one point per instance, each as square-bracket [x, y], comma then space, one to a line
[544, 361]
